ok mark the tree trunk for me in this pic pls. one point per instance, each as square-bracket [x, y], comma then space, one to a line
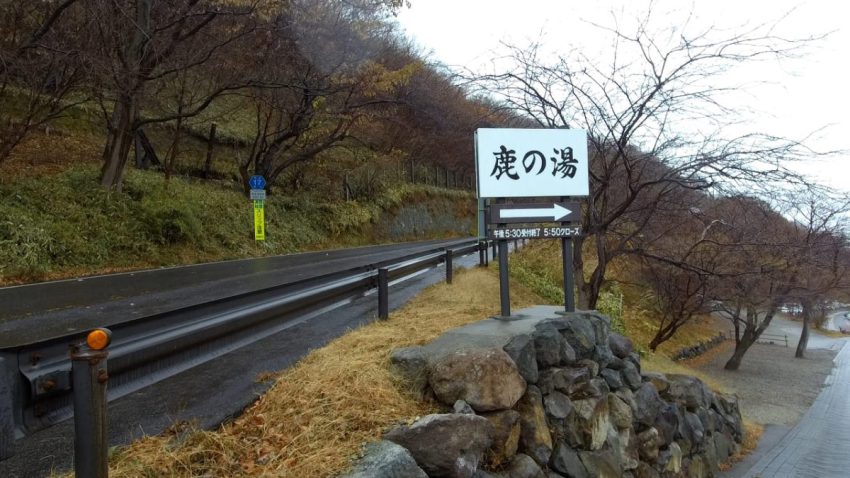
[804, 334]
[741, 348]
[118, 143]
[210, 145]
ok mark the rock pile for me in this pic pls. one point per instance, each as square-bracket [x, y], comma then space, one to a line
[699, 349]
[552, 396]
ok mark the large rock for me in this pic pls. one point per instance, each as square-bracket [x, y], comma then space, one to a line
[591, 420]
[674, 459]
[621, 346]
[552, 349]
[506, 430]
[658, 379]
[411, 364]
[523, 466]
[647, 403]
[649, 442]
[627, 447]
[565, 460]
[557, 405]
[446, 445]
[579, 332]
[688, 392]
[613, 378]
[534, 440]
[522, 352]
[631, 375]
[564, 380]
[486, 378]
[620, 412]
[602, 463]
[385, 459]
[667, 422]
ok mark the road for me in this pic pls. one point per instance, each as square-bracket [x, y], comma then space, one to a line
[818, 446]
[215, 391]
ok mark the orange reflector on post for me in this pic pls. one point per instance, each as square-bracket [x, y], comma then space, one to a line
[98, 339]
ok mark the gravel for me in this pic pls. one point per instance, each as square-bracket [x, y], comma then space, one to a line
[774, 387]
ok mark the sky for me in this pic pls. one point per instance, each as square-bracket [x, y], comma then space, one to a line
[805, 98]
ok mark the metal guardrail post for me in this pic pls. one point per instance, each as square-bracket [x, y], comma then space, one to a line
[89, 375]
[449, 266]
[482, 254]
[383, 294]
[7, 418]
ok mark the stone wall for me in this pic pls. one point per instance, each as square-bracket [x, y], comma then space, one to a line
[550, 396]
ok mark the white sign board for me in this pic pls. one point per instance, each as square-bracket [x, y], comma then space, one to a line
[531, 162]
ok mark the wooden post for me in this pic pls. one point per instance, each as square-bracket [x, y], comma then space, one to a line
[210, 145]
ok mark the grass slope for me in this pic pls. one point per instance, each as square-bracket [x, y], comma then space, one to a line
[64, 224]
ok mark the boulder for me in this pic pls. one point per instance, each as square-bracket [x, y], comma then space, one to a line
[523, 466]
[534, 440]
[628, 449]
[521, 350]
[644, 470]
[723, 445]
[631, 376]
[551, 347]
[667, 422]
[411, 364]
[446, 445]
[462, 407]
[566, 461]
[612, 378]
[591, 366]
[620, 346]
[658, 379]
[688, 392]
[620, 412]
[674, 459]
[602, 355]
[648, 442]
[506, 430]
[602, 463]
[647, 403]
[557, 405]
[580, 334]
[486, 378]
[591, 388]
[591, 421]
[385, 459]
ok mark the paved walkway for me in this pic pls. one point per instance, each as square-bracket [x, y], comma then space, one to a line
[819, 445]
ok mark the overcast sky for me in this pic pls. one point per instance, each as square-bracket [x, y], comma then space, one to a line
[806, 95]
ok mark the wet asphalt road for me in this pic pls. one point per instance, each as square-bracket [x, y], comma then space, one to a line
[215, 391]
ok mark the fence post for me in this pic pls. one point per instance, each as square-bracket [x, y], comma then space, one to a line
[383, 294]
[89, 378]
[449, 266]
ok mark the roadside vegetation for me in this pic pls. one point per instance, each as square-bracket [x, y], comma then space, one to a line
[318, 414]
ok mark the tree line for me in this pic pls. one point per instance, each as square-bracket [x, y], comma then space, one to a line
[305, 77]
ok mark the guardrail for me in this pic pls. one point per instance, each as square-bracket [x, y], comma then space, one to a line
[36, 382]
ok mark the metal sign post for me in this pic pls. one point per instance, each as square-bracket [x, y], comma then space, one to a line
[257, 184]
[567, 264]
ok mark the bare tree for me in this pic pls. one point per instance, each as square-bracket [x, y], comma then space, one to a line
[639, 107]
[142, 44]
[40, 66]
[319, 79]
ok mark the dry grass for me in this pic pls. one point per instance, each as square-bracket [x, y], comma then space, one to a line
[318, 413]
[752, 434]
[658, 362]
